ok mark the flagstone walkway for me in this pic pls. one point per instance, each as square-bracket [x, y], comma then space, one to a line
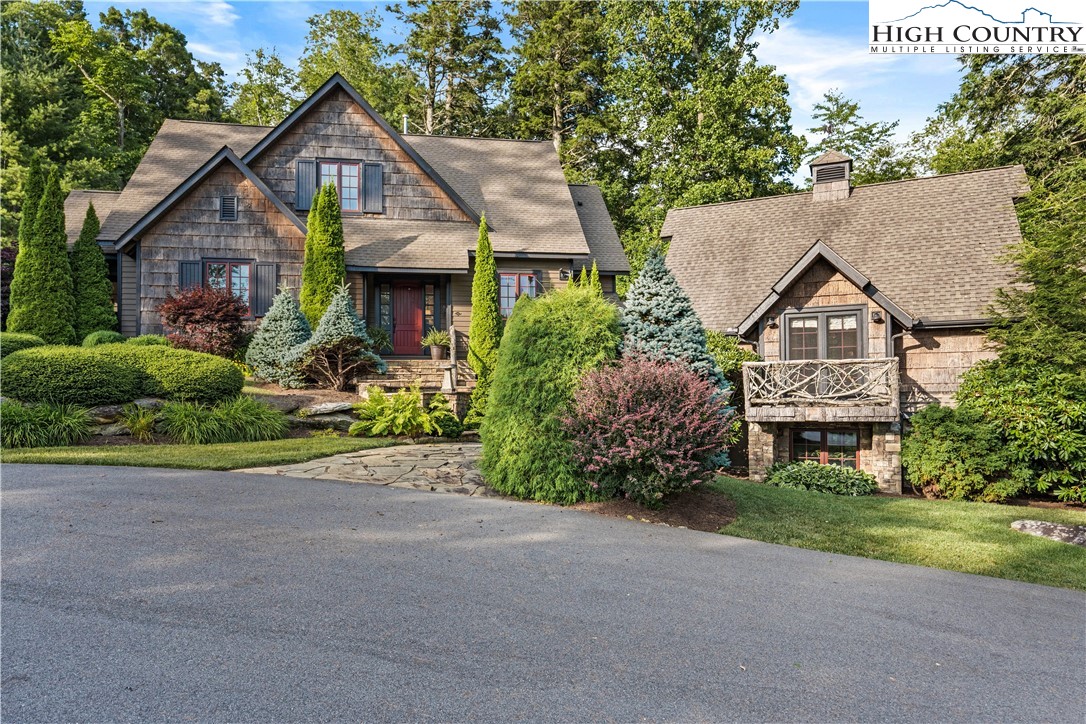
[443, 467]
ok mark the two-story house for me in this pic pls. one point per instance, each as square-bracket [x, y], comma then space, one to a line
[866, 303]
[225, 205]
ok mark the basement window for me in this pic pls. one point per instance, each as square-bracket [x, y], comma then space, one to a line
[828, 447]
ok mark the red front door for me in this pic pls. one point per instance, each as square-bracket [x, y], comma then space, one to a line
[407, 318]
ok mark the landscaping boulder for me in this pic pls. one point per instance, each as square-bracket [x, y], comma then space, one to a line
[105, 414]
[336, 421]
[325, 408]
[1073, 534]
[114, 430]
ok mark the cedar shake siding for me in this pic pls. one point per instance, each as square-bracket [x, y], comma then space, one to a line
[191, 231]
[337, 129]
[932, 363]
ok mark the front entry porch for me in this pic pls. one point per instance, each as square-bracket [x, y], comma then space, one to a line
[405, 306]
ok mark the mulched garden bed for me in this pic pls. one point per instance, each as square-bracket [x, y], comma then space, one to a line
[700, 509]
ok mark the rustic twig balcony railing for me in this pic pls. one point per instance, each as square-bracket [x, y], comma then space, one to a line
[824, 390]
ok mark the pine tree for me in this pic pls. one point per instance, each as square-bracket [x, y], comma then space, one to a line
[42, 284]
[91, 287]
[324, 269]
[660, 322]
[339, 348]
[284, 327]
[485, 331]
[581, 281]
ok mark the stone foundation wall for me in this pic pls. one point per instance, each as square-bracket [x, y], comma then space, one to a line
[880, 450]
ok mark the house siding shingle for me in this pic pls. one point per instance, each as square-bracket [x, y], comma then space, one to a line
[932, 363]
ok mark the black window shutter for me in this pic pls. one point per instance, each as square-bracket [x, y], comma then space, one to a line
[373, 189]
[265, 280]
[305, 184]
[188, 275]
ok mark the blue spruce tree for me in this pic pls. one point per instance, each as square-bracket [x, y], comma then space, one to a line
[284, 327]
[660, 322]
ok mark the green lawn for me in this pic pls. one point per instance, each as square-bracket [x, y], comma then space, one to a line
[966, 537]
[227, 456]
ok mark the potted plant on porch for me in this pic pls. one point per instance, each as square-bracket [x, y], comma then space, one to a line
[438, 341]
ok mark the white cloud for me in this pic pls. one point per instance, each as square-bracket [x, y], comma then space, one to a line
[218, 14]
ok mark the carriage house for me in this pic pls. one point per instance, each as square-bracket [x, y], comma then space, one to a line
[864, 303]
[226, 204]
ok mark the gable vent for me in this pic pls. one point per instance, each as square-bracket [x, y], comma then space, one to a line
[830, 173]
[228, 208]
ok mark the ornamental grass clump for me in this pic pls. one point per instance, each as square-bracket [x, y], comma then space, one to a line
[645, 429]
[42, 424]
[835, 479]
[241, 419]
[548, 344]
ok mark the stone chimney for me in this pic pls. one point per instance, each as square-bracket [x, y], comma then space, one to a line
[830, 173]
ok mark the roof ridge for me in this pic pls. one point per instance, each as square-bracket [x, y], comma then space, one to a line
[854, 188]
[217, 123]
[95, 191]
[473, 138]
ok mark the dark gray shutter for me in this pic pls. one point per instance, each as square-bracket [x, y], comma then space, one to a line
[305, 184]
[373, 189]
[188, 275]
[264, 282]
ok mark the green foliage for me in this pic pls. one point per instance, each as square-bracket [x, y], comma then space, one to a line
[436, 338]
[1040, 415]
[103, 337]
[399, 414]
[33, 190]
[149, 340]
[442, 416]
[380, 338]
[140, 422]
[70, 375]
[41, 291]
[485, 331]
[835, 479]
[178, 374]
[268, 90]
[876, 157]
[660, 322]
[548, 344]
[283, 328]
[15, 341]
[730, 356]
[956, 453]
[91, 288]
[42, 424]
[339, 349]
[324, 269]
[240, 419]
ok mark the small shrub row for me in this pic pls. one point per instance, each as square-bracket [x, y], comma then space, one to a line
[403, 413]
[117, 373]
[15, 341]
[42, 424]
[241, 419]
[835, 479]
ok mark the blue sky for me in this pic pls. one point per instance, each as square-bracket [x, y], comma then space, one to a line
[822, 46]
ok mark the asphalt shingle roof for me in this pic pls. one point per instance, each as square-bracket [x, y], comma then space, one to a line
[932, 245]
[598, 228]
[75, 209]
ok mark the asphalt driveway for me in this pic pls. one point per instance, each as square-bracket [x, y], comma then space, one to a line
[139, 594]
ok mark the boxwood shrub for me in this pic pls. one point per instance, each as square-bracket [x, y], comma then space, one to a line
[75, 375]
[117, 373]
[835, 479]
[104, 336]
[15, 341]
[150, 340]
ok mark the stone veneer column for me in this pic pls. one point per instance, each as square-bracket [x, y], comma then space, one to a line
[760, 448]
[885, 456]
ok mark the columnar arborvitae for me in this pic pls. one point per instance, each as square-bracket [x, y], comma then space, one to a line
[660, 321]
[484, 334]
[324, 269]
[594, 282]
[32, 191]
[91, 287]
[42, 284]
[284, 327]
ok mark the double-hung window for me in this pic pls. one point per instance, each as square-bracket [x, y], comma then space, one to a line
[345, 177]
[232, 275]
[824, 335]
[512, 287]
[828, 447]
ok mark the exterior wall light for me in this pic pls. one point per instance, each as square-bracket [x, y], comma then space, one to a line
[563, 275]
[876, 316]
[771, 321]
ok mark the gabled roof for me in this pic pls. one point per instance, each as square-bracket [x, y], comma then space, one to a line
[830, 157]
[338, 82]
[225, 155]
[599, 230]
[932, 245]
[75, 209]
[177, 151]
[820, 250]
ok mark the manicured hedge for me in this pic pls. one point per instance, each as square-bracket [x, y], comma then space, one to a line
[150, 340]
[104, 336]
[73, 375]
[115, 373]
[15, 341]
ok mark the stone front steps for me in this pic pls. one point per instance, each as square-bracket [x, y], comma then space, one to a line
[428, 374]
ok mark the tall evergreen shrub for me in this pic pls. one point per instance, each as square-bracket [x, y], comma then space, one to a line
[90, 281]
[548, 344]
[339, 349]
[42, 287]
[324, 269]
[17, 292]
[660, 322]
[485, 331]
[284, 328]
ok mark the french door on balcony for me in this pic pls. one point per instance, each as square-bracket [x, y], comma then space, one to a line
[824, 335]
